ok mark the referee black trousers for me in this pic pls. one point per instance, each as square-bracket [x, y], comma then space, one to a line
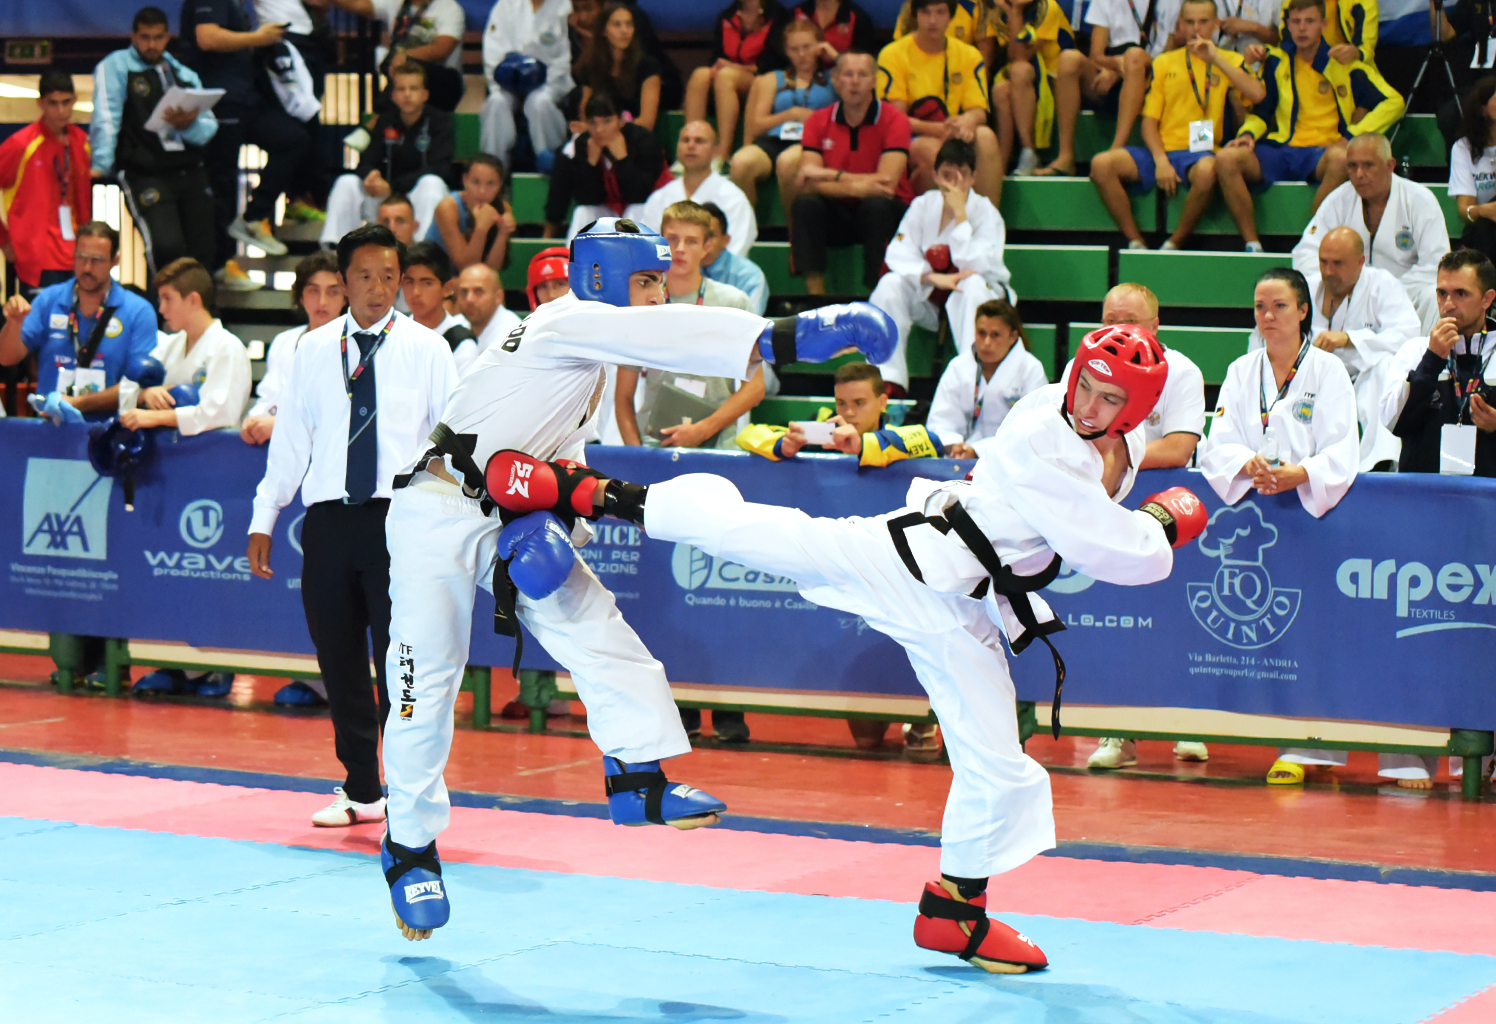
[345, 590]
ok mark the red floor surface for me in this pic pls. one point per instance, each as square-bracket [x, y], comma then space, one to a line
[1236, 815]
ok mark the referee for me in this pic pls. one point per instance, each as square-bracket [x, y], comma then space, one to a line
[364, 394]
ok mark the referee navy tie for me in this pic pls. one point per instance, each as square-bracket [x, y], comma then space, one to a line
[363, 438]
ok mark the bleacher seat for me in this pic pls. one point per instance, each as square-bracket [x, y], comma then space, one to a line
[1203, 279]
[1211, 348]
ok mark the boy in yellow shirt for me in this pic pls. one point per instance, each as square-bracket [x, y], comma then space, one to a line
[1183, 122]
[941, 84]
[1023, 92]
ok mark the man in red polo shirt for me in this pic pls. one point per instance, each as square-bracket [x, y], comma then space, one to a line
[45, 188]
[853, 185]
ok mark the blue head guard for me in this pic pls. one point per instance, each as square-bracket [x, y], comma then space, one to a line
[607, 252]
[117, 451]
[519, 74]
[185, 395]
[146, 371]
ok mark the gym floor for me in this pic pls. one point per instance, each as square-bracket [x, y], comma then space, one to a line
[160, 865]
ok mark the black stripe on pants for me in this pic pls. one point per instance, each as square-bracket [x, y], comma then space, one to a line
[345, 590]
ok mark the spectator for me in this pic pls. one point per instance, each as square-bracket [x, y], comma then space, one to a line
[701, 184]
[747, 44]
[948, 253]
[1249, 23]
[1362, 315]
[536, 29]
[480, 299]
[1023, 91]
[724, 266]
[608, 170]
[841, 26]
[427, 280]
[396, 213]
[1303, 439]
[617, 65]
[779, 104]
[1298, 132]
[201, 353]
[941, 84]
[1183, 119]
[219, 41]
[45, 192]
[1114, 77]
[1350, 29]
[849, 193]
[318, 293]
[400, 376]
[296, 69]
[424, 32]
[723, 406]
[546, 279]
[411, 154]
[984, 381]
[161, 174]
[1442, 379]
[582, 25]
[475, 224]
[1400, 221]
[85, 331]
[1472, 168]
[978, 23]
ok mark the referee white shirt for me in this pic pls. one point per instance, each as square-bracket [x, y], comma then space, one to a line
[414, 375]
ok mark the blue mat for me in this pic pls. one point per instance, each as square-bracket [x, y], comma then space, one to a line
[121, 926]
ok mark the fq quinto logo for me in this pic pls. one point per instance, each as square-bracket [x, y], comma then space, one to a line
[694, 569]
[1240, 607]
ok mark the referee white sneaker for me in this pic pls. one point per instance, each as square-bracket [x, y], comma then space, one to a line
[1113, 752]
[342, 812]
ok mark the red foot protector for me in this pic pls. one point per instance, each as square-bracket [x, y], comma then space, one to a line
[1182, 514]
[523, 484]
[948, 925]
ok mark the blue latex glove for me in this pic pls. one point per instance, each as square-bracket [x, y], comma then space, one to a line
[55, 409]
[541, 551]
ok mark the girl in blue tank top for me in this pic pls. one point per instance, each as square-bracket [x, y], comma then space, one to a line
[455, 226]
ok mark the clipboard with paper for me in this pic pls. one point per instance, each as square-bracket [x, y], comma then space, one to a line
[180, 98]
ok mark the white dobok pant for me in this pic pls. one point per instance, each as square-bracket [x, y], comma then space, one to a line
[497, 133]
[584, 215]
[999, 813]
[901, 297]
[442, 549]
[349, 206]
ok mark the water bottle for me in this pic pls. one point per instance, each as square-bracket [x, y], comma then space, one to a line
[1269, 449]
[1405, 167]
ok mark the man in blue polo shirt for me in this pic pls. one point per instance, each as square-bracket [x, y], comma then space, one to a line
[85, 330]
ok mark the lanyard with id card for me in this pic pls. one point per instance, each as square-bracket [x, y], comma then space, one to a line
[1457, 440]
[64, 172]
[1202, 132]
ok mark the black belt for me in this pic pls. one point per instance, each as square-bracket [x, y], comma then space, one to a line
[1001, 580]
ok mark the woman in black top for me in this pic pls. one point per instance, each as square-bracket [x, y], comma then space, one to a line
[615, 63]
[748, 45]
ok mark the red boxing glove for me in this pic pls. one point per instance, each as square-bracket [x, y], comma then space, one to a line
[522, 484]
[1182, 514]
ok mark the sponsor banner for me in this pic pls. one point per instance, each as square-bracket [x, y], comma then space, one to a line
[1383, 610]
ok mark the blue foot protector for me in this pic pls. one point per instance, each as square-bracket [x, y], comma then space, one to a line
[297, 694]
[162, 681]
[638, 794]
[214, 684]
[416, 889]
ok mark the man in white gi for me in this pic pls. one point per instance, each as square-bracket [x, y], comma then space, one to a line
[522, 37]
[948, 250]
[1363, 315]
[480, 298]
[538, 391]
[1047, 489]
[1399, 220]
[702, 185]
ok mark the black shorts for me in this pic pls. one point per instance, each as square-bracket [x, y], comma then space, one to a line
[1107, 105]
[772, 146]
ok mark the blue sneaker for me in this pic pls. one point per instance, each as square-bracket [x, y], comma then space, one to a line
[416, 889]
[163, 681]
[214, 684]
[638, 794]
[297, 694]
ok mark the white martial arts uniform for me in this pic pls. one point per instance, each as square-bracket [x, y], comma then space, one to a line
[1379, 318]
[277, 371]
[499, 325]
[537, 392]
[219, 366]
[968, 407]
[515, 26]
[1411, 239]
[1314, 423]
[975, 244]
[1123, 21]
[742, 222]
[1035, 495]
[350, 207]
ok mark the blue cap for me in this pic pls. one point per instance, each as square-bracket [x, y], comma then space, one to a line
[607, 252]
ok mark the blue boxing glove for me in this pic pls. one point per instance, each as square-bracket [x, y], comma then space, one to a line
[184, 395]
[55, 409]
[147, 371]
[818, 334]
[541, 551]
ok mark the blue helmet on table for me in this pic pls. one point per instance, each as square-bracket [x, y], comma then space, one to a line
[607, 252]
[147, 371]
[116, 450]
[519, 74]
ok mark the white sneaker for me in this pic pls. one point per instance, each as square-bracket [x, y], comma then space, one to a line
[1028, 163]
[1137, 244]
[1186, 750]
[1254, 247]
[1168, 246]
[342, 812]
[257, 234]
[1113, 752]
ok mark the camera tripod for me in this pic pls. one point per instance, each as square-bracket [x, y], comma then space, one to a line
[1435, 53]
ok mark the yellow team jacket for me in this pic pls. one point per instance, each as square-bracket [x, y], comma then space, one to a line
[1354, 85]
[879, 447]
[1346, 21]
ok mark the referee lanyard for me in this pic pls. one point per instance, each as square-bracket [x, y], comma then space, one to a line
[1204, 103]
[1462, 392]
[1293, 371]
[367, 358]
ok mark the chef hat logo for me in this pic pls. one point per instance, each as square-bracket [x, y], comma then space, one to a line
[1238, 536]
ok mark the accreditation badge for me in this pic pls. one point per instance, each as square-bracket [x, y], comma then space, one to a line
[1202, 136]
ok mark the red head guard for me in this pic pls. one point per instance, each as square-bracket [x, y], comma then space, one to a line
[546, 265]
[1129, 357]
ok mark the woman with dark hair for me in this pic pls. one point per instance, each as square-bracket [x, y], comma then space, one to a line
[844, 26]
[1472, 168]
[978, 388]
[615, 63]
[1286, 418]
[778, 106]
[748, 44]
